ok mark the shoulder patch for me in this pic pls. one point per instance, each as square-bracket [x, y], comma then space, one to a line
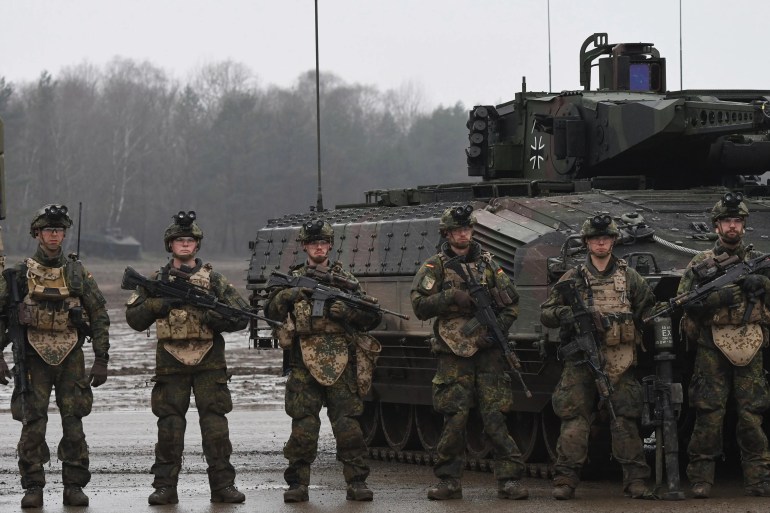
[427, 282]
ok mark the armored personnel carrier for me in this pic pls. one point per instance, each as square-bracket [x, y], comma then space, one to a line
[655, 160]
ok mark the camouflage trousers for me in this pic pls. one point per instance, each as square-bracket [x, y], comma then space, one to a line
[714, 379]
[304, 399]
[459, 384]
[170, 402]
[575, 402]
[74, 399]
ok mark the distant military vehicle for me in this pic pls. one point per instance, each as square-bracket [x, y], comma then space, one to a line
[656, 160]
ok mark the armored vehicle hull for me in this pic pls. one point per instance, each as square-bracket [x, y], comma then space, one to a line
[657, 162]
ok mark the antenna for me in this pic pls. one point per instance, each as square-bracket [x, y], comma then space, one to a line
[681, 86]
[319, 205]
[76, 255]
[549, 46]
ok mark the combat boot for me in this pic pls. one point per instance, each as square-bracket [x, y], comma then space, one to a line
[759, 489]
[74, 496]
[163, 495]
[511, 489]
[701, 490]
[358, 491]
[229, 494]
[446, 489]
[563, 492]
[296, 493]
[33, 497]
[638, 490]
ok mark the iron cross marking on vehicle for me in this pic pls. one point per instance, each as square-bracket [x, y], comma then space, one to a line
[538, 155]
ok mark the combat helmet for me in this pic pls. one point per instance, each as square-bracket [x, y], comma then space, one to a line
[317, 229]
[455, 217]
[51, 215]
[731, 205]
[599, 224]
[183, 226]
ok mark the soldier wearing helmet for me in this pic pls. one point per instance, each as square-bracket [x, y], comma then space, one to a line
[622, 298]
[728, 361]
[313, 382]
[190, 357]
[471, 368]
[62, 305]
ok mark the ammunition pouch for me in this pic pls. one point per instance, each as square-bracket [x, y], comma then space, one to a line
[184, 323]
[620, 329]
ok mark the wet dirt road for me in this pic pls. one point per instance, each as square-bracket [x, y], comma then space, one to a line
[121, 446]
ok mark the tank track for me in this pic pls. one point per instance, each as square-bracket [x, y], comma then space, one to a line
[387, 454]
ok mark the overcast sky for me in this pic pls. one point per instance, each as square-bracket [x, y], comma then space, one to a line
[452, 50]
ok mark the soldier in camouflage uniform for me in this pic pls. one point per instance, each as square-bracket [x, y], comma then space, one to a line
[190, 356]
[326, 357]
[471, 368]
[728, 360]
[622, 297]
[61, 304]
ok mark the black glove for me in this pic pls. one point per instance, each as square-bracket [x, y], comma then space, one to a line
[695, 308]
[730, 295]
[755, 285]
[287, 297]
[462, 299]
[98, 373]
[5, 373]
[161, 306]
[339, 311]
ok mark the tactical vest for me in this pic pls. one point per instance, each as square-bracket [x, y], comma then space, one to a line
[608, 296]
[182, 331]
[323, 342]
[738, 342]
[46, 312]
[456, 327]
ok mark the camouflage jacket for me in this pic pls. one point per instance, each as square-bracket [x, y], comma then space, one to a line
[140, 318]
[639, 293]
[81, 284]
[431, 293]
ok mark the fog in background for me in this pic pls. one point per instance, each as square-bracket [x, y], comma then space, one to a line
[139, 109]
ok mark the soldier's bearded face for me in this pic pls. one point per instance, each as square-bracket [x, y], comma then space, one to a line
[730, 229]
[460, 238]
[317, 251]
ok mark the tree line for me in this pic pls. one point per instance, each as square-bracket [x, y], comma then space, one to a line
[135, 146]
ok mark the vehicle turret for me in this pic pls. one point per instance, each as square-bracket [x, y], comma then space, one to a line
[629, 131]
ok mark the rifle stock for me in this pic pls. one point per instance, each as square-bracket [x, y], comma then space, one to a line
[187, 293]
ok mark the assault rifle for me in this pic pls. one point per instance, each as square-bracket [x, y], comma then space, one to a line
[485, 316]
[17, 334]
[662, 406]
[188, 293]
[711, 275]
[586, 339]
[320, 293]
